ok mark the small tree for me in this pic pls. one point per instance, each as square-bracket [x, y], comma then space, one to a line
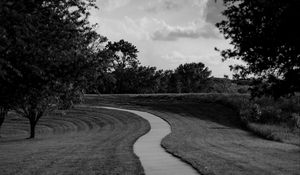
[265, 36]
[51, 51]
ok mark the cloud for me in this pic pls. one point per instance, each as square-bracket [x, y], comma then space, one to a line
[169, 5]
[193, 30]
[157, 30]
[162, 5]
[213, 11]
[138, 29]
[109, 5]
[175, 57]
[179, 58]
[209, 10]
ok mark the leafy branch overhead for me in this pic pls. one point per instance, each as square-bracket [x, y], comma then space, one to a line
[265, 35]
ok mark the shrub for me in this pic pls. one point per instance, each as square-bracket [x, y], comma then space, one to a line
[294, 121]
[250, 113]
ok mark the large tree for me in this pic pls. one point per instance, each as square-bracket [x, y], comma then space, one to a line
[48, 48]
[102, 80]
[146, 80]
[265, 35]
[124, 55]
[191, 77]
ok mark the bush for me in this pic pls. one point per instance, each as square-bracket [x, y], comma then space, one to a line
[294, 121]
[250, 113]
[274, 120]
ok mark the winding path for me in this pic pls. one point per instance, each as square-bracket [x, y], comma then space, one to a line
[155, 160]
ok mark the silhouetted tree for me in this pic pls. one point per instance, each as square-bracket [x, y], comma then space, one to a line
[147, 79]
[49, 48]
[102, 80]
[265, 35]
[124, 54]
[124, 59]
[165, 81]
[191, 76]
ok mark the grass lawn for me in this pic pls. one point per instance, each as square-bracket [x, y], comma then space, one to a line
[210, 138]
[85, 140]
[81, 141]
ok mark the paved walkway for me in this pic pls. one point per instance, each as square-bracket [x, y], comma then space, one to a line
[155, 160]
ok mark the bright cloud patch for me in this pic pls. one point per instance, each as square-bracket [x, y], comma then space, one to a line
[193, 30]
[213, 11]
[110, 5]
[167, 5]
[175, 57]
[157, 6]
[179, 58]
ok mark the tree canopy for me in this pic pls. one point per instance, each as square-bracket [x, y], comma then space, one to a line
[46, 49]
[192, 76]
[265, 35]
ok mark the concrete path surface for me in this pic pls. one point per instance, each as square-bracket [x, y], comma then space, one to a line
[155, 160]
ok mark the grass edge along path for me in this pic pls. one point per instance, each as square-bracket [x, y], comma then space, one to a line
[83, 141]
[236, 156]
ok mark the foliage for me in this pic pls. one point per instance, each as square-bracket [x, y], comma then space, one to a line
[265, 36]
[48, 49]
[191, 76]
[220, 85]
[124, 54]
[134, 78]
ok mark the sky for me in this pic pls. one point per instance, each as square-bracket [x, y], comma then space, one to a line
[167, 33]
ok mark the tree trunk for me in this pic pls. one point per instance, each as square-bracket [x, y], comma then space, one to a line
[33, 119]
[32, 129]
[3, 113]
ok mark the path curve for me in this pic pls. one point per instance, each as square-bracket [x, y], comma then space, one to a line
[155, 160]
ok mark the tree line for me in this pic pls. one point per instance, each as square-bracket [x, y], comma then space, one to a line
[122, 73]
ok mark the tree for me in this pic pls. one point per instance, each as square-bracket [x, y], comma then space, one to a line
[165, 81]
[49, 49]
[147, 80]
[102, 80]
[265, 36]
[191, 76]
[124, 56]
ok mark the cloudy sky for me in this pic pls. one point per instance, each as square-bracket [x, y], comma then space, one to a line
[166, 32]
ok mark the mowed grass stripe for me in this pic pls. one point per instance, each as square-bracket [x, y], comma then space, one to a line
[204, 136]
[84, 141]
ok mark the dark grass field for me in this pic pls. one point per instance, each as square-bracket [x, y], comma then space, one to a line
[85, 140]
[81, 141]
[210, 138]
